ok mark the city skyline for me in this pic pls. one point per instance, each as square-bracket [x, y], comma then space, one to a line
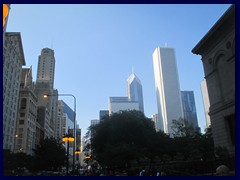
[95, 47]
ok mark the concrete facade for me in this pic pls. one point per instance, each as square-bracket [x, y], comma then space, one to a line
[206, 103]
[45, 86]
[27, 115]
[167, 86]
[13, 60]
[217, 49]
[46, 67]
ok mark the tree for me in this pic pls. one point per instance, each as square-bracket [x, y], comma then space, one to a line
[49, 155]
[122, 138]
[182, 127]
[16, 162]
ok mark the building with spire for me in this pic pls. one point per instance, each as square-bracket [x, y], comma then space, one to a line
[134, 90]
[133, 100]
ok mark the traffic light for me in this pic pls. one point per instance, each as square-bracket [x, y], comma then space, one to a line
[5, 13]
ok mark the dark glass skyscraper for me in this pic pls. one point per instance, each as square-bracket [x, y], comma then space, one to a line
[189, 108]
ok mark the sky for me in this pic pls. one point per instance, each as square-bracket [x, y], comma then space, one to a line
[97, 46]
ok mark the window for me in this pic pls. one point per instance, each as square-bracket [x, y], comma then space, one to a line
[230, 121]
[23, 103]
[21, 121]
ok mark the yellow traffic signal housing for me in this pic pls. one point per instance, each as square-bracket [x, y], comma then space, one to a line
[5, 13]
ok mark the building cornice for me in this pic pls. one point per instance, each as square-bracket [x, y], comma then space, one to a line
[222, 27]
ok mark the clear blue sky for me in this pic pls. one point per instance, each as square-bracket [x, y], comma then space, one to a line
[96, 47]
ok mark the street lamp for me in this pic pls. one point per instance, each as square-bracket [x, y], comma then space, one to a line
[74, 122]
[77, 151]
[68, 138]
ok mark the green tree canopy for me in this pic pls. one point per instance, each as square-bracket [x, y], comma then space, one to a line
[49, 155]
[16, 162]
[182, 127]
[122, 137]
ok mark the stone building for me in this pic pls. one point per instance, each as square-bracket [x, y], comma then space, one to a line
[13, 60]
[217, 49]
[27, 115]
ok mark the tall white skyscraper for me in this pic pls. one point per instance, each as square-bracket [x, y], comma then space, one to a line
[46, 67]
[167, 88]
[134, 90]
[206, 102]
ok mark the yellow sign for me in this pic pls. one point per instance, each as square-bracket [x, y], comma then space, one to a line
[5, 13]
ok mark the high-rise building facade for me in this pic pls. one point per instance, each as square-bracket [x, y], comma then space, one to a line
[45, 85]
[27, 115]
[46, 67]
[13, 60]
[154, 118]
[61, 121]
[117, 104]
[206, 103]
[69, 113]
[189, 108]
[103, 113]
[134, 90]
[167, 88]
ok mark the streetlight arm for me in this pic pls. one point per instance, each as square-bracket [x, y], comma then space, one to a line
[74, 122]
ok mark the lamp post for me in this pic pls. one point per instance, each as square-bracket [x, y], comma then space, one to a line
[74, 122]
[77, 153]
[67, 138]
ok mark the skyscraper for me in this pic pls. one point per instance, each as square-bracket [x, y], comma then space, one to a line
[134, 90]
[167, 87]
[206, 103]
[27, 115]
[45, 85]
[117, 104]
[103, 113]
[189, 108]
[46, 67]
[13, 60]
